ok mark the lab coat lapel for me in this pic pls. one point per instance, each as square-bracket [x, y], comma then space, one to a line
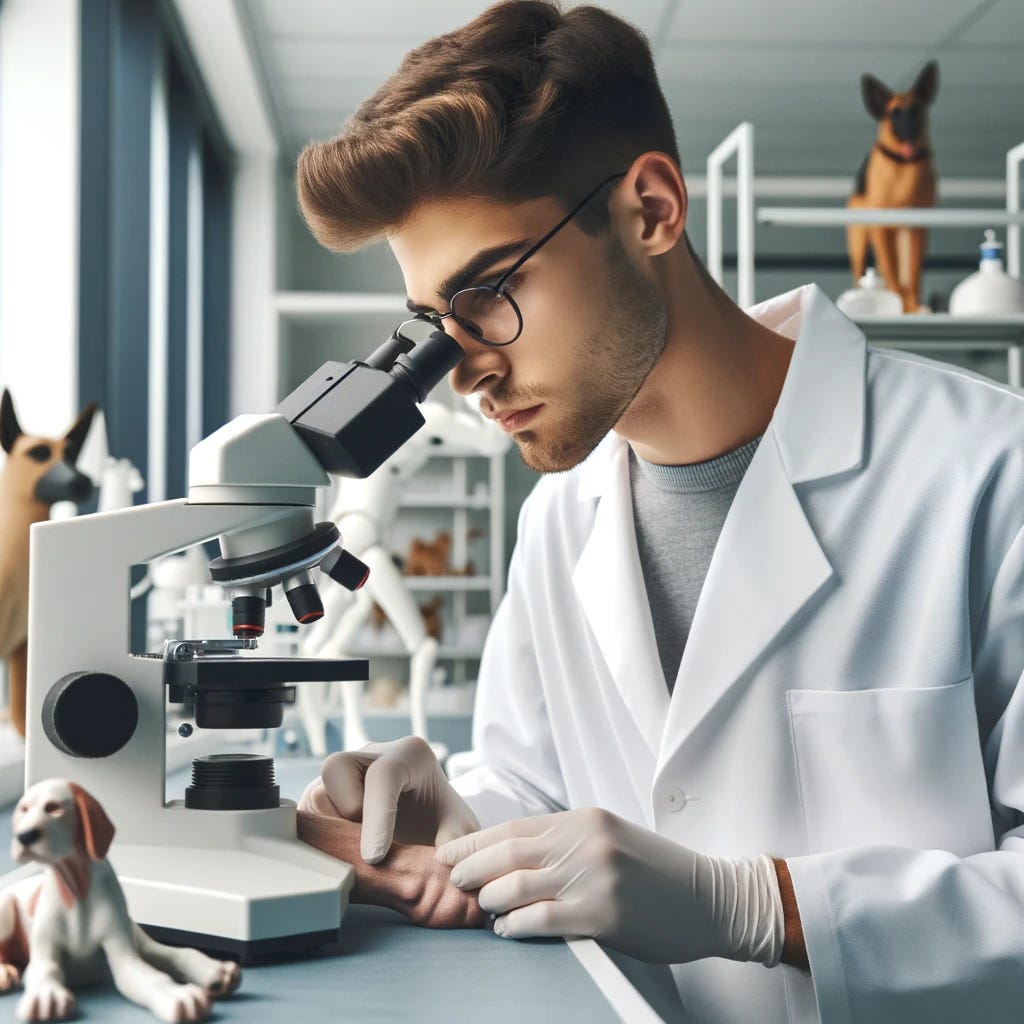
[768, 563]
[609, 583]
[766, 566]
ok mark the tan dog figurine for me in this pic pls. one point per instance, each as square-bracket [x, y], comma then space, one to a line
[898, 171]
[37, 472]
[56, 932]
[429, 558]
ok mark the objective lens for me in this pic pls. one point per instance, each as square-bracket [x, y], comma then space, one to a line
[248, 616]
[305, 602]
[343, 567]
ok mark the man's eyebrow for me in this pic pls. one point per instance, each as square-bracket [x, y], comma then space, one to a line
[471, 271]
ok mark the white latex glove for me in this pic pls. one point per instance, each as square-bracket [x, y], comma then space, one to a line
[398, 790]
[589, 873]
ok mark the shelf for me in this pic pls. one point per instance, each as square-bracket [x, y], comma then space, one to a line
[393, 651]
[941, 330]
[454, 700]
[445, 501]
[935, 217]
[322, 304]
[12, 765]
[429, 583]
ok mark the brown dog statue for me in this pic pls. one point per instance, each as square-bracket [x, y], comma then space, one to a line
[37, 472]
[898, 171]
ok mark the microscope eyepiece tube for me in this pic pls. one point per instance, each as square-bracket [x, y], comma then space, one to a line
[354, 416]
[384, 357]
[428, 363]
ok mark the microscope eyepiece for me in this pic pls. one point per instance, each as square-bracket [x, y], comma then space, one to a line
[426, 365]
[354, 416]
[384, 357]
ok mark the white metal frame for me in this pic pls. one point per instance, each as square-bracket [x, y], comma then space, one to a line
[1014, 158]
[741, 142]
[219, 43]
[937, 332]
[936, 217]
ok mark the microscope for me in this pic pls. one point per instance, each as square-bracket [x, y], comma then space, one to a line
[223, 869]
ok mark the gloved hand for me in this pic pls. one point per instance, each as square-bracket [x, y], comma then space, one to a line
[589, 873]
[398, 790]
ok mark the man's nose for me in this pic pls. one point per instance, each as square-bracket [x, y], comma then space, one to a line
[29, 836]
[480, 368]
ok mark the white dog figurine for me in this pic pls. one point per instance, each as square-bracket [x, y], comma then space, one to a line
[57, 931]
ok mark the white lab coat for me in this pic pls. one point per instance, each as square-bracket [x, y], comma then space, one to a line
[848, 697]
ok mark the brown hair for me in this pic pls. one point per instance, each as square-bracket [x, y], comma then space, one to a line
[524, 101]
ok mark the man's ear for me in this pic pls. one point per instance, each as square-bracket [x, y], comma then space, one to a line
[10, 428]
[75, 437]
[926, 85]
[876, 96]
[654, 191]
[97, 828]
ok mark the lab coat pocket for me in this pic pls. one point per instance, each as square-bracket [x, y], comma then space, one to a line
[892, 766]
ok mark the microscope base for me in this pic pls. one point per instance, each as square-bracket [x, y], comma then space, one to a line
[274, 897]
[245, 953]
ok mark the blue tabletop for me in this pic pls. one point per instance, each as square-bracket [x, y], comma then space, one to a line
[385, 969]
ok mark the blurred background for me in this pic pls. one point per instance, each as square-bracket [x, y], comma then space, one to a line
[152, 257]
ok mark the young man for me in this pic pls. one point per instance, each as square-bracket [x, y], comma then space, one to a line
[821, 761]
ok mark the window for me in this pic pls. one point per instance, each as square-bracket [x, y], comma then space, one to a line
[154, 239]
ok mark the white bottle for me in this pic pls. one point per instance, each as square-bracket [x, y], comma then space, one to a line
[870, 298]
[989, 291]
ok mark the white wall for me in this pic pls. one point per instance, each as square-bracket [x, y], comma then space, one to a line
[222, 53]
[39, 86]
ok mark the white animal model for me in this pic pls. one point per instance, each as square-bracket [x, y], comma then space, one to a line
[364, 511]
[64, 925]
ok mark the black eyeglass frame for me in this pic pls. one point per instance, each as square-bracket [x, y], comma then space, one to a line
[434, 319]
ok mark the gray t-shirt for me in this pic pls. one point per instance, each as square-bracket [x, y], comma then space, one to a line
[679, 512]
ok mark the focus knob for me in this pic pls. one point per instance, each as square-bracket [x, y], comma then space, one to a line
[90, 714]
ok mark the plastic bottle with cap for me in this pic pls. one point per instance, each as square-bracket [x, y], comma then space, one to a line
[989, 291]
[870, 298]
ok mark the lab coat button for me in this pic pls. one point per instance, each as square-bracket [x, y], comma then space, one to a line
[674, 798]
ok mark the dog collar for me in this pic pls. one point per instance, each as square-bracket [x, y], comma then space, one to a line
[921, 154]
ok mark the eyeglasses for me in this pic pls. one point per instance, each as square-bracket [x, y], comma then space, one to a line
[487, 312]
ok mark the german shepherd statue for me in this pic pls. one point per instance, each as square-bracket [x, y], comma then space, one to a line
[898, 171]
[37, 472]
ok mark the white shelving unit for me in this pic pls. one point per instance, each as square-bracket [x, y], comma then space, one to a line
[464, 506]
[925, 331]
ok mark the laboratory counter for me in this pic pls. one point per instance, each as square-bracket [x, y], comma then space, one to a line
[383, 968]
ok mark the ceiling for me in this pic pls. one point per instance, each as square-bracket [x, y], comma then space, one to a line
[792, 67]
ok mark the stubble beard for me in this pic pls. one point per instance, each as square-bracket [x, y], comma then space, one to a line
[613, 366]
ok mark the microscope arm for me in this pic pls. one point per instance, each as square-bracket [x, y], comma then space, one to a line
[446, 428]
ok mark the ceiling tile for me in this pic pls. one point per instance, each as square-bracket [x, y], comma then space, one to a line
[710, 65]
[791, 68]
[330, 58]
[836, 23]
[301, 93]
[1002, 25]
[968, 70]
[412, 20]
